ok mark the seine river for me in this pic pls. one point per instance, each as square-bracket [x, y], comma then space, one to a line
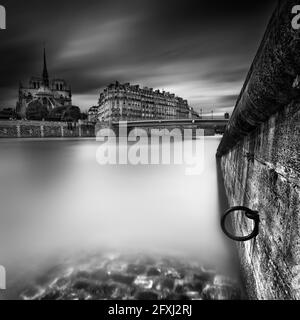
[62, 213]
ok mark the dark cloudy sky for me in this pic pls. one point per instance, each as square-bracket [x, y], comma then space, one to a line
[200, 50]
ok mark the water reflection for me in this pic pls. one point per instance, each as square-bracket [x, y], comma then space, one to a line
[57, 202]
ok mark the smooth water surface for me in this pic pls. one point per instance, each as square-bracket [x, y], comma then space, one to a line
[58, 203]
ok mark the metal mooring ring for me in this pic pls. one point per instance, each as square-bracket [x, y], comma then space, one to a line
[250, 214]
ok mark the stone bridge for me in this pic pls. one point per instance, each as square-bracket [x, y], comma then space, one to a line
[210, 126]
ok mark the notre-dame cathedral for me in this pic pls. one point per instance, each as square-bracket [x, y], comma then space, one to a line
[49, 93]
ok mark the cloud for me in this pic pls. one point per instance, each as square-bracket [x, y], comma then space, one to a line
[95, 40]
[85, 100]
[197, 49]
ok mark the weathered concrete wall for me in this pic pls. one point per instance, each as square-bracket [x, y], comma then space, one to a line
[273, 80]
[44, 129]
[263, 173]
[260, 161]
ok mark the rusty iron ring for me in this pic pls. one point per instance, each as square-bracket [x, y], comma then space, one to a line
[250, 214]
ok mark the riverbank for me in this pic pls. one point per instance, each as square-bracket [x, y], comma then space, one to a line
[45, 129]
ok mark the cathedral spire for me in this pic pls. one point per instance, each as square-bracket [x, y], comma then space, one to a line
[45, 71]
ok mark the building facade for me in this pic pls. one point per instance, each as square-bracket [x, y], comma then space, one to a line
[93, 114]
[49, 93]
[125, 102]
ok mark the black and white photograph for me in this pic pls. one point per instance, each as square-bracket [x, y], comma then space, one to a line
[150, 151]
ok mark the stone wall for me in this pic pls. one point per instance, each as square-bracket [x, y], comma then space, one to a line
[259, 157]
[262, 172]
[44, 129]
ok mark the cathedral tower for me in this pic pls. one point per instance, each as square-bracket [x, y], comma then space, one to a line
[45, 71]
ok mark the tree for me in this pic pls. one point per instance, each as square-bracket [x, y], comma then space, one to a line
[36, 111]
[57, 113]
[7, 113]
[72, 113]
[84, 116]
